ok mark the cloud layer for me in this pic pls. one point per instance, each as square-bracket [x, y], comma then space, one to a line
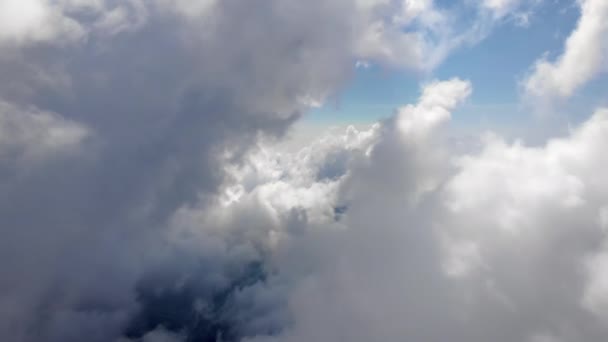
[142, 197]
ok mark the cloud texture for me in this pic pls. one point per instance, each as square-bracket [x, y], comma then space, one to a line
[583, 59]
[142, 197]
[505, 244]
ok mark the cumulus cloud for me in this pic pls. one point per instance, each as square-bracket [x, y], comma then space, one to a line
[116, 128]
[436, 102]
[505, 244]
[142, 198]
[107, 135]
[583, 58]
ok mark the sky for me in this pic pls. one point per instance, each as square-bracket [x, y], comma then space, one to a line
[295, 171]
[496, 66]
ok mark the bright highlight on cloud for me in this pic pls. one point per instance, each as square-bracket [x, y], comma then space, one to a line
[504, 245]
[145, 195]
[584, 56]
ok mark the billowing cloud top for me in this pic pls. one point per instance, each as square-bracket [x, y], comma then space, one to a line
[143, 196]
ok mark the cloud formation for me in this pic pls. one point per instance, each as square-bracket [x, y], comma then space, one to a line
[505, 244]
[142, 197]
[108, 132]
[583, 58]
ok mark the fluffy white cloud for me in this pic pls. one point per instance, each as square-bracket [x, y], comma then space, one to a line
[583, 58]
[140, 199]
[504, 244]
[434, 107]
[155, 106]
[115, 132]
[34, 20]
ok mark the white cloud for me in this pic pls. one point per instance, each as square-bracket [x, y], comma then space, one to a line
[156, 107]
[176, 217]
[420, 34]
[583, 58]
[438, 99]
[31, 134]
[34, 20]
[500, 7]
[501, 244]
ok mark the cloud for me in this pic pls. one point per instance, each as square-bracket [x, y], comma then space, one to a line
[33, 20]
[421, 34]
[435, 104]
[107, 137]
[504, 244]
[118, 127]
[141, 198]
[30, 134]
[500, 7]
[583, 58]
